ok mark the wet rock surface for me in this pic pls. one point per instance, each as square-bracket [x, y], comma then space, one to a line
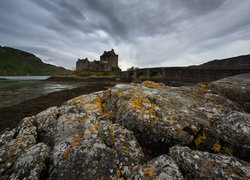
[132, 131]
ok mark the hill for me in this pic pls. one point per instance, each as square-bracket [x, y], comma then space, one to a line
[17, 62]
[233, 62]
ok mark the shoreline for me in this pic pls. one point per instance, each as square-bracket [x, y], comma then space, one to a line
[11, 116]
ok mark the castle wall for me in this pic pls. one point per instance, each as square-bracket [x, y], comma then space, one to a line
[92, 66]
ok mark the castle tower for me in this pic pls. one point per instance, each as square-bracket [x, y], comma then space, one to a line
[111, 57]
[82, 64]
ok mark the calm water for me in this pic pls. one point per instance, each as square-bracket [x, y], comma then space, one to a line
[18, 89]
[24, 78]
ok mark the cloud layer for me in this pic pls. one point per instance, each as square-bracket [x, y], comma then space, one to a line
[144, 33]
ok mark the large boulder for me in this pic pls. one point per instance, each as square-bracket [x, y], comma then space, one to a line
[236, 88]
[121, 133]
[185, 115]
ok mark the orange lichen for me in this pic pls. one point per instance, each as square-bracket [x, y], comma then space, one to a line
[148, 171]
[95, 125]
[76, 140]
[216, 147]
[143, 105]
[66, 154]
[74, 101]
[200, 139]
[94, 105]
[151, 84]
[93, 128]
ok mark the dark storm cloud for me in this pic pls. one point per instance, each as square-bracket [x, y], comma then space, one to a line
[145, 33]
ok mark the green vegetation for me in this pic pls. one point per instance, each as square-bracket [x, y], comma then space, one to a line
[132, 68]
[17, 62]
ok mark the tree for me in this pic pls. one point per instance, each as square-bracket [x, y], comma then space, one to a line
[132, 68]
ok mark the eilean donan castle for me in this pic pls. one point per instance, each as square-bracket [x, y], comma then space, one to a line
[108, 61]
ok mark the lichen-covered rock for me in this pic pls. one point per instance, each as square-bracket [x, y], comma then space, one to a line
[234, 129]
[204, 165]
[184, 115]
[46, 122]
[7, 136]
[236, 88]
[32, 163]
[15, 147]
[111, 134]
[162, 167]
[88, 148]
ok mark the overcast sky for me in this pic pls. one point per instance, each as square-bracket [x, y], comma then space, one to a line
[145, 33]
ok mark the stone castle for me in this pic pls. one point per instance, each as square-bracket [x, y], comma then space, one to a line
[108, 61]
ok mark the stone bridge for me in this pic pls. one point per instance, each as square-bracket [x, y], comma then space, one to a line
[182, 74]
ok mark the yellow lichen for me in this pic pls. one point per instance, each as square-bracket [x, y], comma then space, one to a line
[200, 139]
[229, 150]
[203, 87]
[153, 123]
[119, 94]
[65, 154]
[76, 140]
[148, 171]
[216, 147]
[118, 173]
[125, 149]
[151, 84]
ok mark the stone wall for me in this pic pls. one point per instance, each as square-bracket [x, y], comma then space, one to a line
[84, 64]
[182, 74]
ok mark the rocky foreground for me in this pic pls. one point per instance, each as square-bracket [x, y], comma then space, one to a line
[136, 131]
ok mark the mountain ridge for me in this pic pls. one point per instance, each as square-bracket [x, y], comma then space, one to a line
[17, 62]
[232, 62]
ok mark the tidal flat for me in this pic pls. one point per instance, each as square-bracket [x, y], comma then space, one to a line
[24, 98]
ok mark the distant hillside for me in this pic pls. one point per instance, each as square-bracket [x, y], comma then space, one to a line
[234, 62]
[17, 62]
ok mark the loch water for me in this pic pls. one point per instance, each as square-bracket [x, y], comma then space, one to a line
[17, 89]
